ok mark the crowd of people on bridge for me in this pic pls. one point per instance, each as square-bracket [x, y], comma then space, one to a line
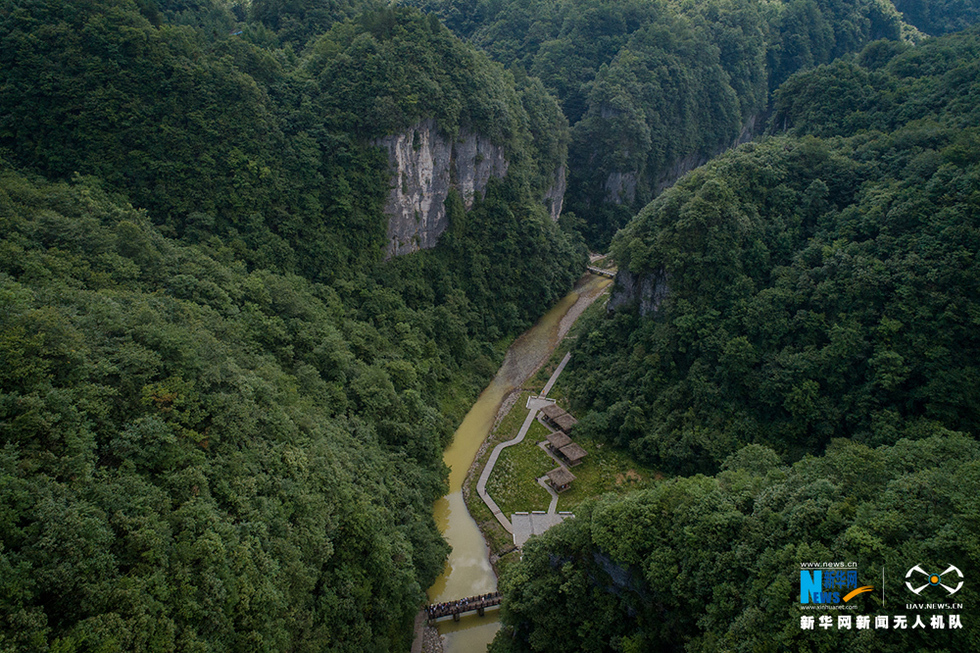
[437, 610]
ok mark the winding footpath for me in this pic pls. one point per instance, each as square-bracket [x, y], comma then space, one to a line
[534, 404]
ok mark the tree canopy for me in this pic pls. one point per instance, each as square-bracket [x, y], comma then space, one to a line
[818, 287]
[704, 563]
[222, 414]
[814, 349]
[653, 89]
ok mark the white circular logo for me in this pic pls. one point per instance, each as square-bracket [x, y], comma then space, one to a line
[932, 580]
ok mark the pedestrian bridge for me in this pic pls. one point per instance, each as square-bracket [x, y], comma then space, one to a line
[600, 271]
[455, 609]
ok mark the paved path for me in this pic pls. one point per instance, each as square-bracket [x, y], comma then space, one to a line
[554, 376]
[553, 506]
[558, 461]
[419, 632]
[534, 404]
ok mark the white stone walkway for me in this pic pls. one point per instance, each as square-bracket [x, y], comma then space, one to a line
[553, 506]
[534, 404]
[554, 375]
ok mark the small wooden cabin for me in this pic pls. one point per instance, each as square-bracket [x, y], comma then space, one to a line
[573, 453]
[560, 479]
[559, 418]
[557, 440]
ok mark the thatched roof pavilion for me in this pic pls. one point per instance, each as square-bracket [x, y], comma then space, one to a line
[559, 417]
[573, 453]
[560, 478]
[557, 440]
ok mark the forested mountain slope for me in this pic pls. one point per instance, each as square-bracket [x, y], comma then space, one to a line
[818, 288]
[653, 89]
[225, 135]
[801, 296]
[222, 413]
[705, 564]
[198, 457]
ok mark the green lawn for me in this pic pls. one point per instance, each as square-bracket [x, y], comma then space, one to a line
[513, 483]
[499, 540]
[604, 470]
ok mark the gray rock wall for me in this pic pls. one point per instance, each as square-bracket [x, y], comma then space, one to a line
[679, 168]
[644, 291]
[425, 164]
[620, 187]
[554, 198]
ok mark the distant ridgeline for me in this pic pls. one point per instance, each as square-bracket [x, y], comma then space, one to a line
[654, 88]
[222, 413]
[814, 342]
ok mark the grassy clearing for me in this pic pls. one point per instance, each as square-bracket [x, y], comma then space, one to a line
[604, 470]
[513, 484]
[499, 540]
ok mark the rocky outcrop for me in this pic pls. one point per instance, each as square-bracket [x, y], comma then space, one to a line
[620, 187]
[684, 165]
[425, 164]
[749, 130]
[554, 198]
[679, 168]
[645, 291]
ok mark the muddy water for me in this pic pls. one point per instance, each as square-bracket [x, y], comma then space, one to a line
[468, 570]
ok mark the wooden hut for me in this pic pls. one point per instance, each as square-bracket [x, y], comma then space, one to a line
[557, 440]
[560, 478]
[573, 453]
[559, 418]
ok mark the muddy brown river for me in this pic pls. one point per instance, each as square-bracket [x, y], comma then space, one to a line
[468, 571]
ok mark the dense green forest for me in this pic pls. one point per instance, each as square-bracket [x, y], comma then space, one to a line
[815, 347]
[654, 88]
[818, 287]
[222, 413]
[199, 457]
[216, 135]
[707, 564]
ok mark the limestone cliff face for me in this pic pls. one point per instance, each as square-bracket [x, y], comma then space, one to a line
[678, 169]
[425, 164]
[621, 187]
[645, 291]
[554, 198]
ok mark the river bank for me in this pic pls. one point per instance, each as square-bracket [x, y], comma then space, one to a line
[499, 542]
[587, 296]
[469, 571]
